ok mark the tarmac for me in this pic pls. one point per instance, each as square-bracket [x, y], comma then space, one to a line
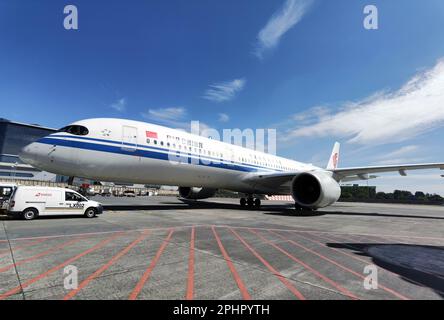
[162, 248]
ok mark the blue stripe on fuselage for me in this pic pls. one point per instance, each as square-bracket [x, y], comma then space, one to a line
[142, 153]
[160, 149]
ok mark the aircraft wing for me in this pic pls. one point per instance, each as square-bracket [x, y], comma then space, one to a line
[280, 182]
[362, 173]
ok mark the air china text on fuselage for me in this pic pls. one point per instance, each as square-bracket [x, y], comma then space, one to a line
[119, 150]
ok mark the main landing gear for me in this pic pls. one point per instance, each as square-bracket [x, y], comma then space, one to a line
[300, 210]
[250, 202]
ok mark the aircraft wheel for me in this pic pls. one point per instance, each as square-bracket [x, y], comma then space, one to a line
[243, 202]
[300, 210]
[257, 202]
[250, 202]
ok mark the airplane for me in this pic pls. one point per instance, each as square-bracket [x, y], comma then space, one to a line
[119, 150]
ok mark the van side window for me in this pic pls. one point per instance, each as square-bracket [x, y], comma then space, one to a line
[71, 196]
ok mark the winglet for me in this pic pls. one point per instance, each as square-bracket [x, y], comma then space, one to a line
[334, 158]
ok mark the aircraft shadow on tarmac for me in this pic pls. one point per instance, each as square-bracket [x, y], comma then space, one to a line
[278, 209]
[187, 205]
[291, 212]
[418, 264]
[268, 209]
[55, 217]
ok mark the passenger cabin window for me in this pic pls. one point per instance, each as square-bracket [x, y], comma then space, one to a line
[71, 196]
[75, 130]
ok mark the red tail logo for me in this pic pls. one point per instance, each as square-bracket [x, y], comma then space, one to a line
[335, 160]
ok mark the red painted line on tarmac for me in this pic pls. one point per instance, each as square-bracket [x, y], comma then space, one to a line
[58, 267]
[105, 232]
[207, 225]
[372, 235]
[366, 239]
[237, 278]
[190, 283]
[397, 238]
[351, 237]
[397, 294]
[269, 267]
[332, 233]
[147, 274]
[23, 246]
[39, 255]
[383, 240]
[337, 250]
[105, 267]
[306, 266]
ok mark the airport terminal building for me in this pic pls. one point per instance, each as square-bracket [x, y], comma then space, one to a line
[13, 137]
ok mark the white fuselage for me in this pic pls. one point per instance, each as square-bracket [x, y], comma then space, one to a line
[120, 150]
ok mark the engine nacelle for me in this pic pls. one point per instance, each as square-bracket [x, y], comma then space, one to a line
[195, 193]
[315, 190]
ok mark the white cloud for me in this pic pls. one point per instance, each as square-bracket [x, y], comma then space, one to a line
[403, 155]
[119, 105]
[174, 117]
[224, 91]
[223, 117]
[405, 150]
[386, 117]
[165, 114]
[393, 161]
[281, 21]
[311, 114]
[205, 128]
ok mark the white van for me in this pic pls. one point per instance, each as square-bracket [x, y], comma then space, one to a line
[30, 202]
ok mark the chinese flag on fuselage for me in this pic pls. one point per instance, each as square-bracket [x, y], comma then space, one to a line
[151, 134]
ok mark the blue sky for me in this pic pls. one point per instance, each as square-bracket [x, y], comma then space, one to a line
[308, 68]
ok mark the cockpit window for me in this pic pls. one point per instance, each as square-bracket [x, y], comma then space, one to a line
[75, 130]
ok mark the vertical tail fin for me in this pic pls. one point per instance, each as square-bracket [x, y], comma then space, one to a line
[334, 158]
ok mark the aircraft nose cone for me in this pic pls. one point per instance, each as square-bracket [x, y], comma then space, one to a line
[28, 154]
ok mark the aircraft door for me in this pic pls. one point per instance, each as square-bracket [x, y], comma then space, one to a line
[129, 138]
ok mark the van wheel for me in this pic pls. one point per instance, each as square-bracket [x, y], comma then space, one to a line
[90, 213]
[29, 214]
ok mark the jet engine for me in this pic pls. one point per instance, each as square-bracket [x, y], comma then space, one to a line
[315, 190]
[196, 193]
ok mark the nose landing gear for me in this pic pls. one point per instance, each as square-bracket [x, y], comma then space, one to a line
[250, 202]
